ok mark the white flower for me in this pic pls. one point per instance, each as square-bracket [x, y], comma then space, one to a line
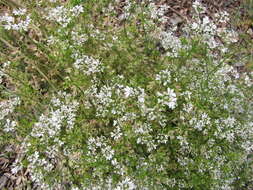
[141, 97]
[7, 107]
[7, 18]
[59, 14]
[126, 184]
[169, 98]
[49, 125]
[172, 98]
[164, 77]
[9, 126]
[171, 43]
[19, 12]
[222, 16]
[10, 24]
[194, 26]
[198, 7]
[108, 152]
[63, 15]
[76, 10]
[247, 81]
[128, 91]
[200, 123]
[87, 64]
[116, 134]
[79, 39]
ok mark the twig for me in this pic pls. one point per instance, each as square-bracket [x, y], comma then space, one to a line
[178, 13]
[11, 3]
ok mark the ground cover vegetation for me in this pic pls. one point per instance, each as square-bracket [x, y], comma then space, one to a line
[100, 94]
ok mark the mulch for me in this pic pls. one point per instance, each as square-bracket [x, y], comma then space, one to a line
[10, 181]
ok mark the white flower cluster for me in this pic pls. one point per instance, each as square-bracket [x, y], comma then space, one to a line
[171, 43]
[143, 136]
[158, 12]
[47, 131]
[10, 125]
[19, 12]
[59, 15]
[41, 163]
[150, 131]
[200, 123]
[248, 79]
[164, 77]
[116, 133]
[184, 145]
[168, 98]
[226, 128]
[226, 72]
[87, 64]
[222, 17]
[18, 22]
[102, 99]
[63, 15]
[126, 184]
[208, 29]
[100, 143]
[131, 92]
[36, 161]
[99, 147]
[50, 125]
[8, 106]
[198, 7]
[200, 26]
[78, 38]
[112, 98]
[126, 10]
[77, 10]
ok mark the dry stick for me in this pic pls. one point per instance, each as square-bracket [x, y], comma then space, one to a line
[8, 44]
[183, 2]
[2, 54]
[178, 13]
[11, 3]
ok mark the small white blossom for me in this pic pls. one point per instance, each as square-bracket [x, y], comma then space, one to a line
[171, 43]
[19, 12]
[116, 134]
[7, 107]
[169, 98]
[9, 126]
[198, 7]
[10, 23]
[87, 64]
[63, 15]
[76, 10]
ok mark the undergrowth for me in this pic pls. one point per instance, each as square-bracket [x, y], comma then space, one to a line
[103, 94]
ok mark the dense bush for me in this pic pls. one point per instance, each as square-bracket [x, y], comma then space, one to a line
[102, 95]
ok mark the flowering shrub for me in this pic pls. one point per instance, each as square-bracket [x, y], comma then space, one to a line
[95, 103]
